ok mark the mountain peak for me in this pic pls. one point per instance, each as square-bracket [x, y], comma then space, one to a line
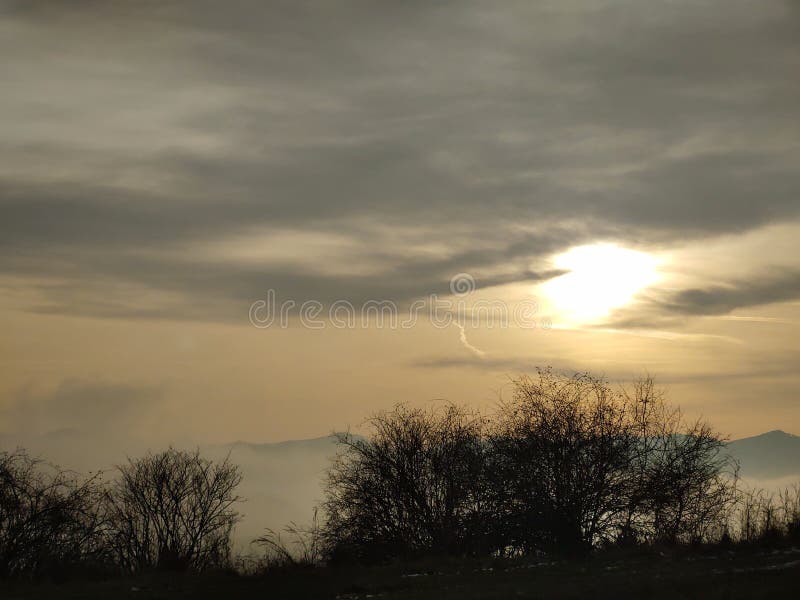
[768, 455]
[775, 434]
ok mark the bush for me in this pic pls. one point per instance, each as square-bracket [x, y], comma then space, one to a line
[172, 510]
[766, 518]
[50, 520]
[566, 465]
[304, 547]
[416, 486]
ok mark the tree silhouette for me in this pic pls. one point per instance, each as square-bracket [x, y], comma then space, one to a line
[173, 510]
[567, 464]
[413, 487]
[50, 520]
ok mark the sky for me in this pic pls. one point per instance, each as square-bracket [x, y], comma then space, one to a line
[621, 177]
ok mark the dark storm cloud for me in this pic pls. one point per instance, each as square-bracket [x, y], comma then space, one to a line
[136, 130]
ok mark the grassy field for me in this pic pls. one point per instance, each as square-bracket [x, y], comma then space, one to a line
[774, 574]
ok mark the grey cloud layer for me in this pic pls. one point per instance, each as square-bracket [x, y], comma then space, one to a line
[136, 126]
[669, 308]
[722, 299]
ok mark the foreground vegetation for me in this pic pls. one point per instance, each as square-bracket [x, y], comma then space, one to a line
[570, 487]
[668, 574]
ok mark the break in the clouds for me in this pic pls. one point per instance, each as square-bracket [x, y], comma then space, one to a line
[175, 159]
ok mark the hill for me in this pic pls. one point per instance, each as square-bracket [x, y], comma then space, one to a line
[771, 455]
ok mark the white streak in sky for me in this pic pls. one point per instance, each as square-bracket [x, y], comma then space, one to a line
[465, 342]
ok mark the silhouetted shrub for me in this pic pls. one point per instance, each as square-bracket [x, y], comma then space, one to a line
[561, 450]
[566, 465]
[50, 520]
[173, 510]
[580, 464]
[304, 547]
[764, 518]
[416, 486]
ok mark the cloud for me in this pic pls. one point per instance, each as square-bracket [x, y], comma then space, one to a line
[428, 138]
[668, 308]
[752, 366]
[508, 365]
[766, 288]
[76, 407]
[84, 425]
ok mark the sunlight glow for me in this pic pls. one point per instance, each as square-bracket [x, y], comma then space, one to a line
[601, 277]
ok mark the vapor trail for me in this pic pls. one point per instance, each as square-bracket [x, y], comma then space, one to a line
[462, 336]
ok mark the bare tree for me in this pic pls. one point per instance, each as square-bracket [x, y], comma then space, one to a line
[49, 518]
[580, 463]
[562, 452]
[174, 509]
[683, 482]
[567, 464]
[413, 486]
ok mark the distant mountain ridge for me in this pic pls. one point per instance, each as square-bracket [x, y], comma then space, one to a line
[283, 481]
[770, 455]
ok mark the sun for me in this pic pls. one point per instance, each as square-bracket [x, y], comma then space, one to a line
[599, 278]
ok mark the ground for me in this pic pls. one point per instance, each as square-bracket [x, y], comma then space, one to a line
[729, 575]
